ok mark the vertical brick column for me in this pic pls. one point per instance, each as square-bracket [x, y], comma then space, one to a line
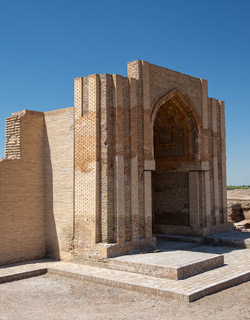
[194, 200]
[223, 162]
[205, 152]
[148, 148]
[134, 160]
[207, 201]
[204, 105]
[215, 151]
[106, 158]
[140, 71]
[204, 212]
[148, 143]
[86, 162]
[119, 186]
[148, 203]
[149, 166]
[204, 120]
[93, 99]
[127, 160]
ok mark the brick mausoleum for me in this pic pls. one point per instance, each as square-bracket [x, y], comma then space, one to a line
[135, 156]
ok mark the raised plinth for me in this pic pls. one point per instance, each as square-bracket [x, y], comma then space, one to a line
[174, 265]
[235, 271]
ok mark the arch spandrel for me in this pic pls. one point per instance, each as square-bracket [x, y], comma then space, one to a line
[181, 99]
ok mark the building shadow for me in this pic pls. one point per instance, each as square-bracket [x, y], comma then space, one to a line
[51, 238]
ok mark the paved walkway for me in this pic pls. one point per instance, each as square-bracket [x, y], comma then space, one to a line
[236, 270]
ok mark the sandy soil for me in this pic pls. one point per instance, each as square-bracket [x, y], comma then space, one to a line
[54, 298]
[238, 194]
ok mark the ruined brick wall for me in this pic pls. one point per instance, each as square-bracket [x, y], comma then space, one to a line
[59, 182]
[37, 186]
[22, 223]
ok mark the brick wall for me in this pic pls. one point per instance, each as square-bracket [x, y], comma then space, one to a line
[80, 179]
[87, 170]
[59, 181]
[22, 224]
[171, 198]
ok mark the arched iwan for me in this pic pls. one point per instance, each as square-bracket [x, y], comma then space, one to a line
[175, 128]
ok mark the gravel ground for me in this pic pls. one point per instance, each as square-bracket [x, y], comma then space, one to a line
[58, 298]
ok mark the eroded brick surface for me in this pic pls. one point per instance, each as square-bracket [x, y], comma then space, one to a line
[79, 182]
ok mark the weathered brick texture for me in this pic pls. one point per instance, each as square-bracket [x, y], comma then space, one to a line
[136, 155]
[22, 218]
[59, 182]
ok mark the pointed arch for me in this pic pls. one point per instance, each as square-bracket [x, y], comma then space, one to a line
[179, 101]
[175, 126]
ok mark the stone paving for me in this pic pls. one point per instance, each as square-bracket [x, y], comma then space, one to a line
[236, 270]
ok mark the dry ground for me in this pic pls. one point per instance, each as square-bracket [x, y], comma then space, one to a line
[58, 298]
[238, 194]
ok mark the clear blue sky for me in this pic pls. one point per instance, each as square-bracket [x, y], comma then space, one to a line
[45, 44]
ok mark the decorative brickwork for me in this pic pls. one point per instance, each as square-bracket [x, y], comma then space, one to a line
[13, 139]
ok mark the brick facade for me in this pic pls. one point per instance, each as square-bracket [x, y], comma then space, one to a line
[136, 155]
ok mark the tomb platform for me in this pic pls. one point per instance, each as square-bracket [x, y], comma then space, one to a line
[170, 260]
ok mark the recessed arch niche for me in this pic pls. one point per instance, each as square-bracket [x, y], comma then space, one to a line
[175, 138]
